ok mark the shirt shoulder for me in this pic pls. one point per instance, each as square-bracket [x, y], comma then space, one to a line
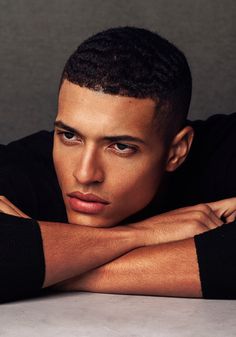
[37, 146]
[28, 179]
[214, 133]
[208, 173]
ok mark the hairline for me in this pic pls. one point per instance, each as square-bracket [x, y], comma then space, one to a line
[160, 103]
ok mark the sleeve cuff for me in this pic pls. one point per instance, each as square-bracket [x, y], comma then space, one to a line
[216, 253]
[21, 258]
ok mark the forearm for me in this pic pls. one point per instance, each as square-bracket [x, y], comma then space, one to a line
[71, 250]
[167, 270]
[35, 255]
[62, 251]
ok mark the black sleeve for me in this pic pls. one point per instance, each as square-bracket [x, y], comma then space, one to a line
[21, 258]
[216, 253]
[24, 180]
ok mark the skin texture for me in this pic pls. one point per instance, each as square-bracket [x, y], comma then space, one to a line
[155, 256]
[165, 270]
[162, 266]
[125, 173]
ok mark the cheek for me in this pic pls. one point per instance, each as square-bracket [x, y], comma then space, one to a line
[135, 188]
[63, 167]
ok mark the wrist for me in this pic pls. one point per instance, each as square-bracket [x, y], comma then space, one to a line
[132, 236]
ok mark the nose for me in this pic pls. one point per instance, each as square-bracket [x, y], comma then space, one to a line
[89, 168]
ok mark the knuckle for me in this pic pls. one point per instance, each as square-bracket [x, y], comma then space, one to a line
[196, 224]
[198, 215]
[205, 208]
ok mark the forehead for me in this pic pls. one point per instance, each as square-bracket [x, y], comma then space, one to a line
[99, 112]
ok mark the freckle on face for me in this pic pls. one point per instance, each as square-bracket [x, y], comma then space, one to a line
[92, 166]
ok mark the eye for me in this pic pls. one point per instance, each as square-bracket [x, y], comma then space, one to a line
[124, 148]
[67, 137]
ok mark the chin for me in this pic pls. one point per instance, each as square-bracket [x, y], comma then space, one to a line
[91, 220]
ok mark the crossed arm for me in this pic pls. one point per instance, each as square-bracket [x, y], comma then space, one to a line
[156, 256]
[167, 270]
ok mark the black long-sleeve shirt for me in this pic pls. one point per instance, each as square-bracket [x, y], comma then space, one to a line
[28, 180]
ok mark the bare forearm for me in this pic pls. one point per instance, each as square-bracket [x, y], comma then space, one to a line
[71, 250]
[167, 270]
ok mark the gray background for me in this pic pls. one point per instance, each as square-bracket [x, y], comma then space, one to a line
[36, 38]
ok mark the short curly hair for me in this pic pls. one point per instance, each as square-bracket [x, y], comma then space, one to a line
[136, 62]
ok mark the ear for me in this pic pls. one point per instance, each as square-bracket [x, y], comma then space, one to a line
[179, 148]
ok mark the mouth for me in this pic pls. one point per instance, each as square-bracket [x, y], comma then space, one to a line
[86, 203]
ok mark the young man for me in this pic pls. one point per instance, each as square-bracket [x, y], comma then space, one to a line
[120, 134]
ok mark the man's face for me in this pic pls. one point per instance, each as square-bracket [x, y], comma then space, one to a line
[108, 156]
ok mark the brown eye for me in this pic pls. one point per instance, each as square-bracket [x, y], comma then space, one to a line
[121, 146]
[124, 149]
[68, 135]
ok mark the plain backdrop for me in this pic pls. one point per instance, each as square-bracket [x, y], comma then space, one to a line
[37, 36]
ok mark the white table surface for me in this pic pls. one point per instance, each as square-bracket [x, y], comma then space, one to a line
[103, 315]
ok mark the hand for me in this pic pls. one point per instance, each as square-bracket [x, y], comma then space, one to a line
[8, 208]
[224, 209]
[186, 222]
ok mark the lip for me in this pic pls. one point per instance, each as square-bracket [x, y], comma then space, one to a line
[86, 203]
[87, 197]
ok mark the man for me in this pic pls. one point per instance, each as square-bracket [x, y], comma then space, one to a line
[120, 134]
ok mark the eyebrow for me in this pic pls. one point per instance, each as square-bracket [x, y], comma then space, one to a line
[118, 138]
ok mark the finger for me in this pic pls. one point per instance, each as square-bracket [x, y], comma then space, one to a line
[208, 212]
[207, 219]
[231, 217]
[207, 222]
[4, 208]
[223, 207]
[200, 212]
[7, 207]
[4, 200]
[204, 213]
[215, 219]
[213, 222]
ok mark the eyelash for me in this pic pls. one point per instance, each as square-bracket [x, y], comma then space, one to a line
[62, 135]
[133, 149]
[63, 139]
